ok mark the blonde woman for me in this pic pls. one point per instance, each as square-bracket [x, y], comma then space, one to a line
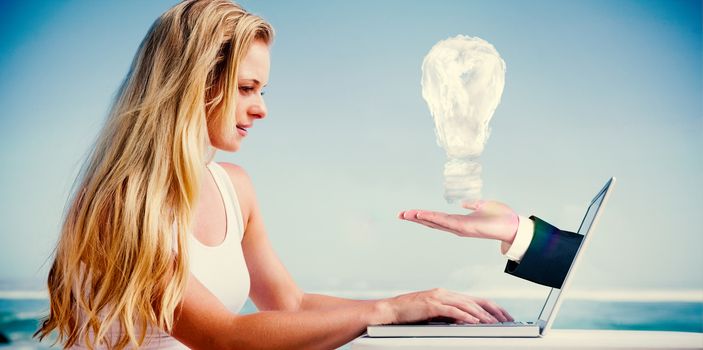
[161, 247]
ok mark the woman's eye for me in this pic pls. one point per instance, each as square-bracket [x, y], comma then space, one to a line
[246, 89]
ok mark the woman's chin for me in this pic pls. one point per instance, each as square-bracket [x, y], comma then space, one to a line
[232, 146]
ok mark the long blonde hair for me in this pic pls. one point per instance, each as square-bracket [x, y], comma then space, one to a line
[121, 258]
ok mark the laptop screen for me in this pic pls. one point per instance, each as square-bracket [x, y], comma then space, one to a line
[585, 227]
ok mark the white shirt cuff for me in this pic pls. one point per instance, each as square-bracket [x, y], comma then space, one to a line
[523, 237]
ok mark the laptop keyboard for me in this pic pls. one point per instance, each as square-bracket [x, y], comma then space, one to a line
[515, 323]
[450, 321]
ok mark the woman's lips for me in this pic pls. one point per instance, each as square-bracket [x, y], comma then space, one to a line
[242, 131]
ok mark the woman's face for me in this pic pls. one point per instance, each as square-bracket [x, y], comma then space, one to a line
[253, 76]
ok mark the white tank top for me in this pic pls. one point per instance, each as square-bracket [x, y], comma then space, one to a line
[221, 268]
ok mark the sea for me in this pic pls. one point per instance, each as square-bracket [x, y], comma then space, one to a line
[21, 313]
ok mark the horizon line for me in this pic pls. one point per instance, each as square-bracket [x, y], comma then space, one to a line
[644, 295]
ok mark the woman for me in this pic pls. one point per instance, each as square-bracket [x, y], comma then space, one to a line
[161, 246]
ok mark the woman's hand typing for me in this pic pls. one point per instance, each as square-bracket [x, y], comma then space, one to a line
[420, 306]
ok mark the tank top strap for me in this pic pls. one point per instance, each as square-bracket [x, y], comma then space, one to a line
[230, 199]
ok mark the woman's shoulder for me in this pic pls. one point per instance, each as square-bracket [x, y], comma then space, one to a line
[242, 185]
[235, 172]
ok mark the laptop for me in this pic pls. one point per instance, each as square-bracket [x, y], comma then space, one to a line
[537, 328]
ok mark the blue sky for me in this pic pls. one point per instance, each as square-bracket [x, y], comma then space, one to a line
[593, 89]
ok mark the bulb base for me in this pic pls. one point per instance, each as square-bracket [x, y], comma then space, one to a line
[462, 180]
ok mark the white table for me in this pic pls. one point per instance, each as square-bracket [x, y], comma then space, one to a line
[556, 339]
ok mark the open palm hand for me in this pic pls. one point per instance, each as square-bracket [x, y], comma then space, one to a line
[489, 219]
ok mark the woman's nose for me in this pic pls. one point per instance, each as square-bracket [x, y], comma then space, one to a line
[258, 109]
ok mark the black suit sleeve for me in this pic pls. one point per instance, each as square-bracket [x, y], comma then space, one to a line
[548, 257]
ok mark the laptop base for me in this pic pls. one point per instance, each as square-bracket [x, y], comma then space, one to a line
[515, 330]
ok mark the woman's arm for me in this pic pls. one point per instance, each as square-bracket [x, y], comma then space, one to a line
[203, 322]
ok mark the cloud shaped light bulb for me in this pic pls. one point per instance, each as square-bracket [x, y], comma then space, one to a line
[462, 82]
